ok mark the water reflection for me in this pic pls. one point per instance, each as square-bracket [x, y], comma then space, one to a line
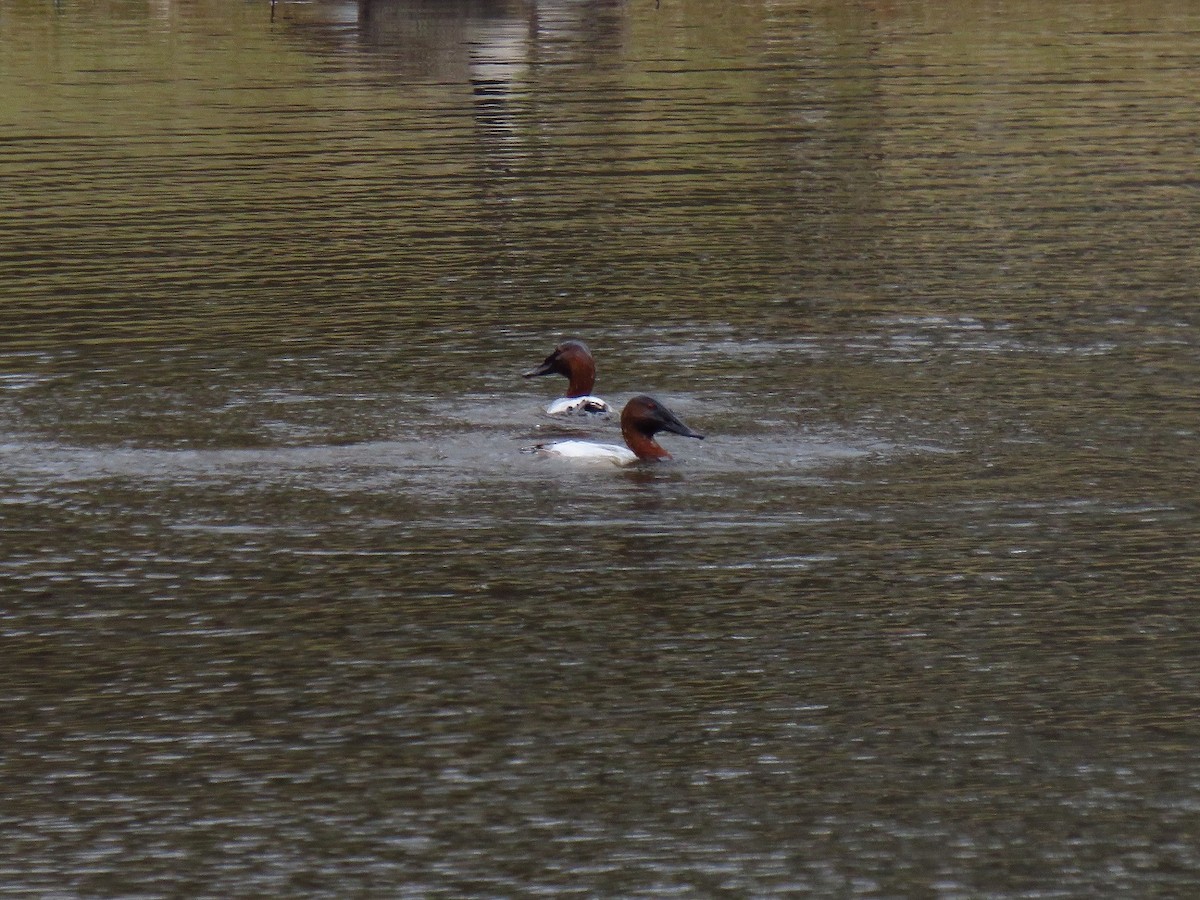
[286, 610]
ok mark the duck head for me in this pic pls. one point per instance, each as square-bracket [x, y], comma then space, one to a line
[642, 418]
[574, 360]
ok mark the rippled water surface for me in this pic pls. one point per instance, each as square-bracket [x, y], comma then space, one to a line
[285, 610]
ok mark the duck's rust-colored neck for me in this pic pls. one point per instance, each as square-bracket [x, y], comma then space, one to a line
[643, 445]
[581, 369]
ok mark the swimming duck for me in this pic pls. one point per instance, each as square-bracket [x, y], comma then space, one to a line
[641, 419]
[574, 360]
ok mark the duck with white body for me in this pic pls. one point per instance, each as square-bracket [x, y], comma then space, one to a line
[574, 360]
[642, 418]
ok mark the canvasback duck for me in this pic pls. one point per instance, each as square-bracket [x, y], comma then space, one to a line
[574, 360]
[641, 419]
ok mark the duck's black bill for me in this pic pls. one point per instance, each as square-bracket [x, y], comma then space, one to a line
[671, 423]
[546, 368]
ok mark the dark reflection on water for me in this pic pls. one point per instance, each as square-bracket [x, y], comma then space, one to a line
[287, 611]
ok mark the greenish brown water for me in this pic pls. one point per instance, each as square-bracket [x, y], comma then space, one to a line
[286, 612]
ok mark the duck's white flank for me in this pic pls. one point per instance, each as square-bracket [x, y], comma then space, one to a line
[587, 451]
[583, 407]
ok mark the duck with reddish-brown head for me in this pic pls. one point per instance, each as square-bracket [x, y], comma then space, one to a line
[642, 418]
[574, 360]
